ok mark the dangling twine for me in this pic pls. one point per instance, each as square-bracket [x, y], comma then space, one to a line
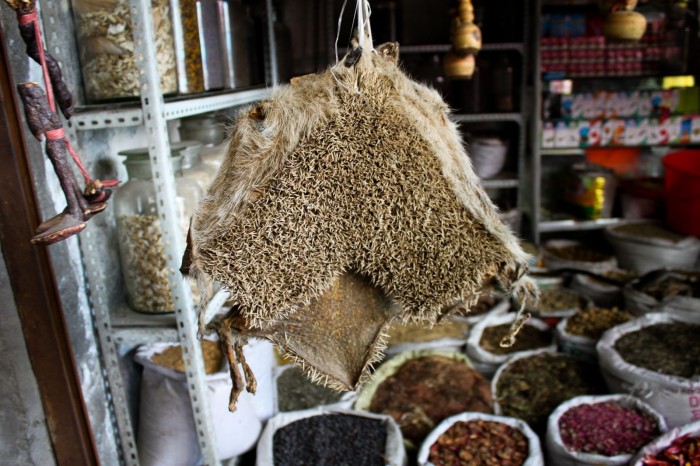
[362, 15]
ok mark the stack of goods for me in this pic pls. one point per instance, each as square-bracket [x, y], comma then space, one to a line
[622, 118]
[573, 45]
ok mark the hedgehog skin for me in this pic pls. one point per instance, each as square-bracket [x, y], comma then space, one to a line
[358, 168]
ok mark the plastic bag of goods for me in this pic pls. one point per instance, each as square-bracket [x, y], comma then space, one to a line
[600, 430]
[647, 246]
[531, 386]
[577, 335]
[421, 388]
[557, 302]
[331, 436]
[567, 254]
[679, 446]
[675, 292]
[167, 434]
[294, 391]
[657, 359]
[480, 438]
[604, 289]
[449, 334]
[484, 349]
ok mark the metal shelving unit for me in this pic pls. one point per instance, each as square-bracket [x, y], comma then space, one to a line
[549, 226]
[115, 323]
[119, 116]
[444, 48]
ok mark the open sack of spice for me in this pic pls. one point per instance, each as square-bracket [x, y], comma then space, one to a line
[347, 200]
[477, 438]
[677, 447]
[603, 430]
[657, 359]
[325, 435]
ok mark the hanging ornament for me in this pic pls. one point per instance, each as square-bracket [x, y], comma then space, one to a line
[623, 23]
[459, 66]
[466, 36]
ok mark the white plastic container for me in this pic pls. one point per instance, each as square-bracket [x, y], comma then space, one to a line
[644, 254]
[488, 156]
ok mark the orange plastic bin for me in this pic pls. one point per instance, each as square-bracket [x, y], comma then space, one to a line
[682, 185]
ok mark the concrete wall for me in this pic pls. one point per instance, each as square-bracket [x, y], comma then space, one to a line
[24, 436]
[67, 265]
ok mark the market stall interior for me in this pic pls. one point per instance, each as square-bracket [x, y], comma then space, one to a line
[331, 221]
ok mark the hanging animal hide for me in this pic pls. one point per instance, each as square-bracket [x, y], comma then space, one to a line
[346, 200]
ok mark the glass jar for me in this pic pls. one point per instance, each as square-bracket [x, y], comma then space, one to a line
[213, 157]
[237, 47]
[107, 49]
[141, 248]
[192, 165]
[207, 129]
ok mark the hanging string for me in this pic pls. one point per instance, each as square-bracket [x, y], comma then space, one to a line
[32, 18]
[340, 22]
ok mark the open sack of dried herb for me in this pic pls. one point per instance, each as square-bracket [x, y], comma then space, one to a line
[603, 430]
[481, 439]
[655, 358]
[347, 200]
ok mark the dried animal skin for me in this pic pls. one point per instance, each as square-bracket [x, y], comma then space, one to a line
[355, 169]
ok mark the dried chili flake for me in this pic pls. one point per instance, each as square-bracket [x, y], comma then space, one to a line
[683, 451]
[606, 428]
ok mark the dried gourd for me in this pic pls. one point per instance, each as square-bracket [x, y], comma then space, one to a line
[347, 200]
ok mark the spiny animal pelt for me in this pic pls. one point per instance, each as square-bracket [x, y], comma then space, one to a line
[356, 168]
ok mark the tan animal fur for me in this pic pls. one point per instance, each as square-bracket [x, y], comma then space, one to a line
[355, 169]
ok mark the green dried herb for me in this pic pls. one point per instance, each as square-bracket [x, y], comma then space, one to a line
[531, 388]
[593, 322]
[672, 349]
[296, 392]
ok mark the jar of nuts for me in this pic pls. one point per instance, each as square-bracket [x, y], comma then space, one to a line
[108, 49]
[141, 248]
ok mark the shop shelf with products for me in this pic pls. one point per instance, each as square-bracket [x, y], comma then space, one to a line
[575, 63]
[96, 130]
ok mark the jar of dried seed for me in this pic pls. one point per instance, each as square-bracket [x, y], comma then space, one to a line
[141, 247]
[108, 49]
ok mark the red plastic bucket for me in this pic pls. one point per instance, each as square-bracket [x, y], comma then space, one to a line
[682, 185]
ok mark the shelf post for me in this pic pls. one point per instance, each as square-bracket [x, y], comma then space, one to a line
[171, 234]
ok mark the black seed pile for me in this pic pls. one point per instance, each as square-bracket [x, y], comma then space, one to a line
[331, 440]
